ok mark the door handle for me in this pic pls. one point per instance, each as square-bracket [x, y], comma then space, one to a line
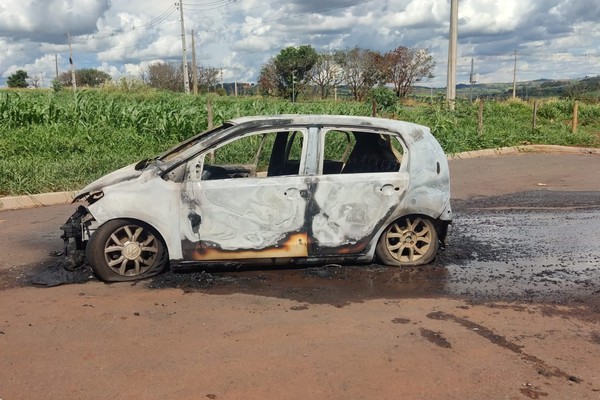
[294, 193]
[388, 189]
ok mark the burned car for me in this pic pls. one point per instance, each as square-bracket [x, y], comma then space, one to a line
[271, 190]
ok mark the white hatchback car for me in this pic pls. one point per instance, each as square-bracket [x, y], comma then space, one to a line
[271, 190]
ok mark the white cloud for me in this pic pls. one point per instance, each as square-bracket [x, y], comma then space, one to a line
[555, 38]
[35, 18]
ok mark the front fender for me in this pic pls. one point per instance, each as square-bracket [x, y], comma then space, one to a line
[154, 201]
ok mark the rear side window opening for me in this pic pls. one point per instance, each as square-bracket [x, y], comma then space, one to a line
[353, 152]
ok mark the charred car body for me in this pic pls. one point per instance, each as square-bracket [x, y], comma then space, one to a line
[271, 190]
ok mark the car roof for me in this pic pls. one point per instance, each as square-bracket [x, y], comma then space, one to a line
[410, 132]
[322, 119]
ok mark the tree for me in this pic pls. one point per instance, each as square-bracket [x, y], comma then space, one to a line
[326, 73]
[57, 86]
[292, 65]
[165, 75]
[35, 81]
[361, 70]
[89, 77]
[208, 78]
[18, 79]
[268, 79]
[404, 67]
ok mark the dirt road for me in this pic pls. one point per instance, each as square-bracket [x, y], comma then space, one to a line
[460, 329]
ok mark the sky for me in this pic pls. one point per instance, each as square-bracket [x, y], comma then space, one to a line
[554, 39]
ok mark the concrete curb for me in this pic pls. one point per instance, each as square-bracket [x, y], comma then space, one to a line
[52, 199]
[532, 148]
[35, 200]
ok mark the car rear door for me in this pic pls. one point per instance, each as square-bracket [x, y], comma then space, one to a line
[355, 195]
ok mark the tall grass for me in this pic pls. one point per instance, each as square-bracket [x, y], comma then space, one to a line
[57, 141]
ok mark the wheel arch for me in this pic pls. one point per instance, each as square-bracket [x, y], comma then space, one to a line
[142, 222]
[107, 243]
[440, 226]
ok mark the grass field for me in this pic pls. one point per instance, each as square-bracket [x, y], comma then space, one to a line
[57, 141]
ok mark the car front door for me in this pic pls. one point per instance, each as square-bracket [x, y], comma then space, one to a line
[249, 201]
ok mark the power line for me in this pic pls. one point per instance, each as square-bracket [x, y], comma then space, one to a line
[171, 9]
[145, 26]
[208, 6]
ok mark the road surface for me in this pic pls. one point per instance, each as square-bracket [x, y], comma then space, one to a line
[510, 310]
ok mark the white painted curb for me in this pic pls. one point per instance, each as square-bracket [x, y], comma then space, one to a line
[35, 200]
[532, 148]
[52, 199]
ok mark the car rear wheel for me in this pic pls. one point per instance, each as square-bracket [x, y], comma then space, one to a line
[124, 250]
[408, 241]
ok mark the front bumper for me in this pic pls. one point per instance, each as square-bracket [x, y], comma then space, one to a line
[76, 231]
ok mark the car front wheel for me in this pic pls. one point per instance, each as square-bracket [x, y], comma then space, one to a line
[124, 250]
[408, 241]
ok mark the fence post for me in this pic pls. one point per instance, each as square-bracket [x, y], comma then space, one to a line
[209, 113]
[374, 108]
[535, 110]
[575, 116]
[209, 120]
[480, 118]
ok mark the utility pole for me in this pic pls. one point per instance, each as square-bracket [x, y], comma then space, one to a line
[194, 67]
[56, 64]
[235, 82]
[453, 40]
[73, 81]
[515, 77]
[222, 86]
[471, 81]
[186, 78]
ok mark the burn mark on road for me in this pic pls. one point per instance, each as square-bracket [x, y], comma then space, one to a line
[299, 308]
[435, 338]
[541, 366]
[533, 393]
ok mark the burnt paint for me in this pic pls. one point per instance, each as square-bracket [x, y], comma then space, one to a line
[297, 244]
[294, 245]
[356, 248]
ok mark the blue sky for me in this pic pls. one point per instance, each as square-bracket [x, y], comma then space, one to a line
[558, 39]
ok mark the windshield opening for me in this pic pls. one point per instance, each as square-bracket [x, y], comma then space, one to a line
[172, 153]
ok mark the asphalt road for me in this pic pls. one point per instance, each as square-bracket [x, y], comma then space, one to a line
[510, 309]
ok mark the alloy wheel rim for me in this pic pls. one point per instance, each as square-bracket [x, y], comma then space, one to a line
[131, 250]
[409, 239]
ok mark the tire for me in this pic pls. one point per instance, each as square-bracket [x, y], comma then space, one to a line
[124, 250]
[408, 241]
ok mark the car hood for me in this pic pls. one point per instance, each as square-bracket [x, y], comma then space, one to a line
[126, 173]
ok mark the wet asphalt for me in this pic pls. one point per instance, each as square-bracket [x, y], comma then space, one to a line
[538, 246]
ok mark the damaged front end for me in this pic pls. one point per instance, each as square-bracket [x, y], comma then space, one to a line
[75, 238]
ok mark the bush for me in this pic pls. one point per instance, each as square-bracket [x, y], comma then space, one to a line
[384, 98]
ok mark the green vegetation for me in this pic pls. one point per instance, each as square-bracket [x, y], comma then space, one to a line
[89, 77]
[18, 80]
[57, 141]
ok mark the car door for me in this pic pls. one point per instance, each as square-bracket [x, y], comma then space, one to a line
[357, 190]
[254, 204]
